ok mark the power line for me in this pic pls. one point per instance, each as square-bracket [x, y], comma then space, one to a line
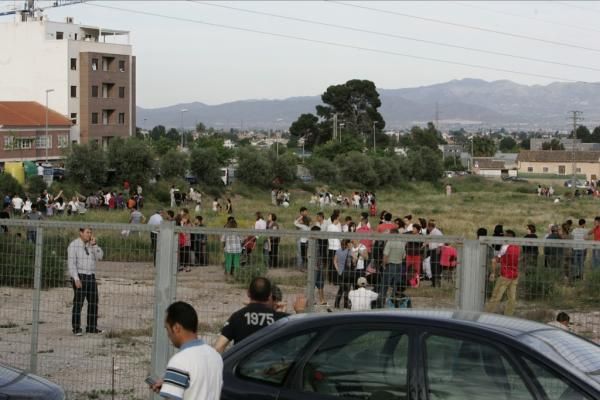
[336, 44]
[544, 21]
[391, 35]
[472, 27]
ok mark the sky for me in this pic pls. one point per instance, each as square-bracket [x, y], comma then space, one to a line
[197, 55]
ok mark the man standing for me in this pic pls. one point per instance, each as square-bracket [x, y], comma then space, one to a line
[34, 215]
[256, 315]
[508, 279]
[196, 371]
[579, 252]
[433, 252]
[595, 232]
[136, 217]
[82, 256]
[302, 243]
[155, 220]
[17, 204]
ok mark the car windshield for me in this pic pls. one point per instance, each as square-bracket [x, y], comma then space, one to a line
[581, 354]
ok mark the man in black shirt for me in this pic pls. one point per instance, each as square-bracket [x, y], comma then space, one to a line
[260, 312]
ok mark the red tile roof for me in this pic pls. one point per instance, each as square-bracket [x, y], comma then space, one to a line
[29, 114]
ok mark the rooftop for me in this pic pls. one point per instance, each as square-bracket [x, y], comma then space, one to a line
[558, 156]
[29, 114]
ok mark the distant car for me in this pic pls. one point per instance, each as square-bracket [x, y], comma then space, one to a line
[578, 184]
[514, 179]
[18, 384]
[58, 174]
[411, 354]
[191, 179]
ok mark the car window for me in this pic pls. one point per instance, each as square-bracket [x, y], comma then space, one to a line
[360, 364]
[272, 362]
[554, 387]
[459, 368]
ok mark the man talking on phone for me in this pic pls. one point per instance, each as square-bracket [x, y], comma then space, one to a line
[83, 253]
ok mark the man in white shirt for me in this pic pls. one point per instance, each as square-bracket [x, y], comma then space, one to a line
[433, 252]
[579, 251]
[17, 203]
[361, 298]
[196, 371]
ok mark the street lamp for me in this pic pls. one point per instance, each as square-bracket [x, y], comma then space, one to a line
[47, 91]
[183, 110]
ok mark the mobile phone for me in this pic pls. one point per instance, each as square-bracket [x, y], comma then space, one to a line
[150, 380]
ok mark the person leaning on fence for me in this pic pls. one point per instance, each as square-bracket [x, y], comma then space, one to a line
[196, 370]
[83, 253]
[260, 312]
[508, 257]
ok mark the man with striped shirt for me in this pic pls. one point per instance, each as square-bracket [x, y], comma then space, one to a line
[196, 371]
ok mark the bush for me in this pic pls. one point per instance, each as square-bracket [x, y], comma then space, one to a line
[35, 186]
[204, 163]
[86, 165]
[17, 266]
[254, 168]
[357, 167]
[132, 159]
[539, 283]
[322, 170]
[173, 164]
[9, 185]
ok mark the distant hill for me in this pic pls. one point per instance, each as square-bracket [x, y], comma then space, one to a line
[466, 102]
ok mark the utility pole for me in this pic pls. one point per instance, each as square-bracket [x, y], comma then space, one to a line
[576, 117]
[374, 143]
[334, 127]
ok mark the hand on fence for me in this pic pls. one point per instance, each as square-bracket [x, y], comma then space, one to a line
[300, 304]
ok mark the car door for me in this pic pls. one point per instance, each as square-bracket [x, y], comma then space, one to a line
[356, 362]
[459, 366]
[262, 371]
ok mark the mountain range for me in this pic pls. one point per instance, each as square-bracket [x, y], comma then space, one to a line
[468, 103]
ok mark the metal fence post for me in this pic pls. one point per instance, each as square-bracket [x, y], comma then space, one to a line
[471, 285]
[311, 256]
[37, 289]
[164, 293]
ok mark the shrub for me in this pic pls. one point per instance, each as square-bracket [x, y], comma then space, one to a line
[173, 164]
[254, 168]
[204, 163]
[322, 169]
[35, 186]
[539, 283]
[17, 266]
[9, 185]
[86, 165]
[358, 168]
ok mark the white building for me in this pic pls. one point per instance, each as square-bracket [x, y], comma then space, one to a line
[91, 71]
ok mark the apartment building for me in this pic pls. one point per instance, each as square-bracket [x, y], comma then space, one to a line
[88, 72]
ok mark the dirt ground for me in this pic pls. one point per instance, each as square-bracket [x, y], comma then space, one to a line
[113, 365]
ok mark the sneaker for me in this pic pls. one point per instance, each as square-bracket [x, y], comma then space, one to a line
[94, 331]
[77, 332]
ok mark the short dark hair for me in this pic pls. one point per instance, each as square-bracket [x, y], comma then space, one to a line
[315, 228]
[273, 217]
[563, 317]
[260, 289]
[320, 214]
[183, 314]
[481, 232]
[581, 221]
[510, 232]
[531, 227]
[302, 209]
[364, 215]
[387, 216]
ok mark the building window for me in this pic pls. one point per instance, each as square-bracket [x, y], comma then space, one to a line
[63, 141]
[122, 65]
[121, 91]
[75, 36]
[59, 35]
[73, 64]
[94, 91]
[529, 169]
[73, 91]
[94, 64]
[9, 143]
[562, 170]
[26, 143]
[545, 169]
[41, 143]
[121, 118]
[106, 116]
[578, 170]
[107, 89]
[94, 118]
[74, 118]
[106, 63]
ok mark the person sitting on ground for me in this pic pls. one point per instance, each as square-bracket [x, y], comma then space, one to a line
[362, 298]
[562, 321]
[255, 316]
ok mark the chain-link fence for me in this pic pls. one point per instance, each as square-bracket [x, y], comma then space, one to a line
[211, 269]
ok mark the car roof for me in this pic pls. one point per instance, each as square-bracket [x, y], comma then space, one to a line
[556, 344]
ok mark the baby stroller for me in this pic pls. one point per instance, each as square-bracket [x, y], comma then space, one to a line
[248, 245]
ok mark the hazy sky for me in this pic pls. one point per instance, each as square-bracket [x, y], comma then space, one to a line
[180, 61]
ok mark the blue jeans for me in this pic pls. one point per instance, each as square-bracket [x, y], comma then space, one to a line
[577, 265]
[393, 276]
[596, 258]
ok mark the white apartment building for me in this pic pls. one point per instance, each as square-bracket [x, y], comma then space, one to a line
[90, 70]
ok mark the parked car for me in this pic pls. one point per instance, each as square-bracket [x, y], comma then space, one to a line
[578, 184]
[58, 174]
[191, 179]
[507, 178]
[412, 354]
[18, 384]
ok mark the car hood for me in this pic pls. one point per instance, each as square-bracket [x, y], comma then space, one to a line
[17, 384]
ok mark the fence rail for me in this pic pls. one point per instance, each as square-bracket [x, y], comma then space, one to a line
[145, 268]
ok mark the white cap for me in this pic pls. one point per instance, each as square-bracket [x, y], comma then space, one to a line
[362, 281]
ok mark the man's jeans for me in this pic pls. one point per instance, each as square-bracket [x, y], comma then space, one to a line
[394, 276]
[502, 285]
[578, 262]
[89, 292]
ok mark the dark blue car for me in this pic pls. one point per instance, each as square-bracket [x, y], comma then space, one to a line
[19, 385]
[412, 354]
